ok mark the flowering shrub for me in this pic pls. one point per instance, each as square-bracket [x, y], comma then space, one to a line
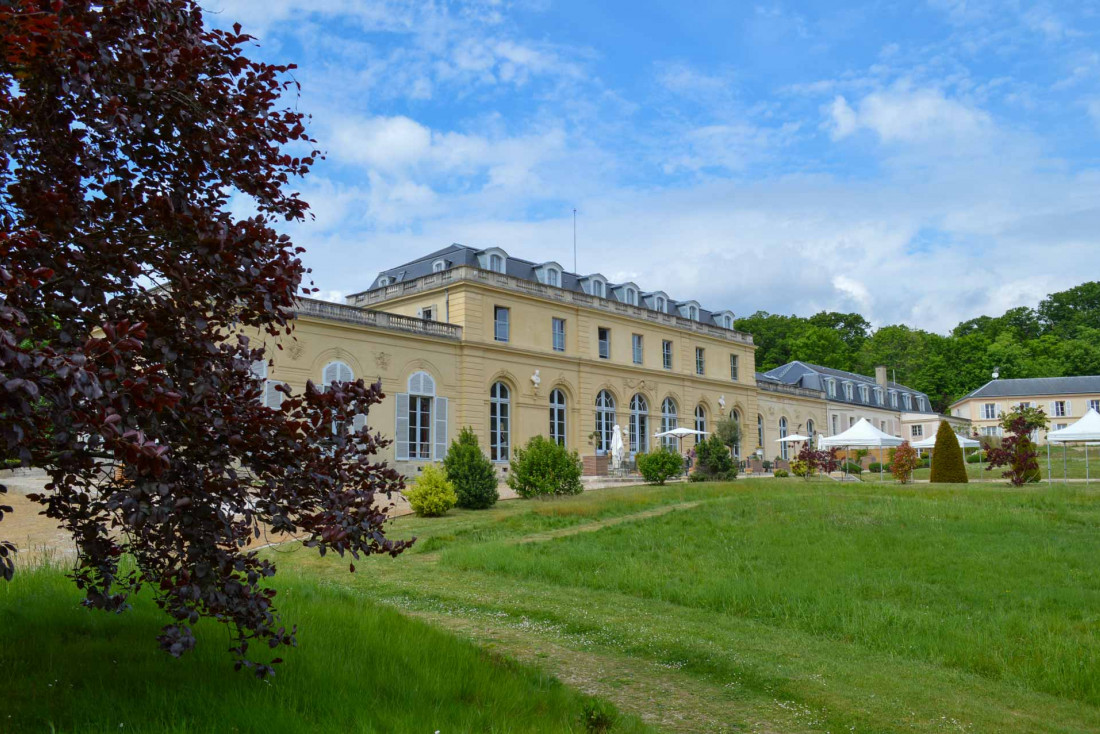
[1017, 451]
[904, 463]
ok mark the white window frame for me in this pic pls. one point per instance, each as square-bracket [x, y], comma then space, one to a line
[734, 364]
[500, 422]
[439, 266]
[666, 353]
[670, 419]
[639, 424]
[557, 335]
[496, 262]
[700, 421]
[605, 421]
[693, 313]
[637, 348]
[1060, 409]
[784, 448]
[989, 411]
[864, 393]
[907, 401]
[502, 326]
[558, 416]
[659, 304]
[916, 430]
[848, 393]
[632, 296]
[700, 361]
[1094, 405]
[553, 278]
[603, 342]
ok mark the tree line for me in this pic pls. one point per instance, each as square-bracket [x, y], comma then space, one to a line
[1061, 337]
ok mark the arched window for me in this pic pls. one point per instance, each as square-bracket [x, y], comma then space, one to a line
[737, 446]
[335, 371]
[552, 277]
[631, 297]
[496, 263]
[693, 313]
[700, 420]
[639, 424]
[811, 432]
[760, 431]
[669, 420]
[383, 281]
[439, 266]
[557, 417]
[783, 450]
[499, 422]
[597, 288]
[605, 421]
[728, 321]
[660, 304]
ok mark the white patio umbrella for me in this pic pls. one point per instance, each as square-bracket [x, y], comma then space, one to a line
[679, 433]
[1086, 431]
[793, 438]
[862, 435]
[617, 448]
[964, 444]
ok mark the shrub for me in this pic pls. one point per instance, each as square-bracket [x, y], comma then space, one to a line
[598, 717]
[801, 468]
[698, 477]
[432, 495]
[471, 472]
[660, 465]
[543, 468]
[875, 467]
[976, 458]
[767, 465]
[904, 463]
[713, 457]
[1017, 451]
[948, 466]
[781, 473]
[924, 462]
[851, 467]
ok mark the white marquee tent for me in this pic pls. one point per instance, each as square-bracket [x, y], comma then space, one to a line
[862, 435]
[1086, 431]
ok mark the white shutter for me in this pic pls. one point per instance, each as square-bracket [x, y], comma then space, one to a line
[1050, 409]
[344, 373]
[416, 384]
[440, 429]
[259, 369]
[272, 397]
[329, 374]
[1069, 408]
[358, 422]
[402, 426]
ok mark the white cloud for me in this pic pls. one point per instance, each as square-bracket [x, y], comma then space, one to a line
[903, 115]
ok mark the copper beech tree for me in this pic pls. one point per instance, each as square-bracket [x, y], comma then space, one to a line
[125, 285]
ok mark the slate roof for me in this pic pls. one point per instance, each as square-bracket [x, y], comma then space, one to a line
[1024, 386]
[813, 377]
[457, 255]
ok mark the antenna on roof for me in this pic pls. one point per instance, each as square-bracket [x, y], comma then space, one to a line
[574, 239]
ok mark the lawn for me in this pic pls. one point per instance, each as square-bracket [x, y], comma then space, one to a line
[359, 667]
[782, 605]
[759, 605]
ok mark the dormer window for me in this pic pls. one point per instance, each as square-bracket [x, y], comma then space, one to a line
[847, 391]
[496, 263]
[660, 303]
[693, 313]
[908, 400]
[727, 321]
[878, 396]
[383, 281]
[863, 393]
[439, 266]
[552, 278]
[831, 385]
[597, 288]
[632, 296]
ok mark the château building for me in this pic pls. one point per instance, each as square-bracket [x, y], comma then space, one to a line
[514, 348]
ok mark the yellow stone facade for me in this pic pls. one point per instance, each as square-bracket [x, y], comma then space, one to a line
[383, 338]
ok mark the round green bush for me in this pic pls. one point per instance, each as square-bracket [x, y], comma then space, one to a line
[432, 495]
[471, 472]
[781, 473]
[660, 465]
[712, 457]
[875, 467]
[543, 468]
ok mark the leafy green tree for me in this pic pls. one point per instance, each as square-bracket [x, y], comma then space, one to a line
[728, 432]
[661, 465]
[1067, 312]
[471, 472]
[947, 459]
[1017, 451]
[713, 458]
[821, 345]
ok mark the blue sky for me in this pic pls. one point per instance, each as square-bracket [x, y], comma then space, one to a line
[920, 162]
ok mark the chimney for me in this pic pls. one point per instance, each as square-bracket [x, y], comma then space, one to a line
[880, 375]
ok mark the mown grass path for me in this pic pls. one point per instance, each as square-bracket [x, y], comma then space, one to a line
[778, 606]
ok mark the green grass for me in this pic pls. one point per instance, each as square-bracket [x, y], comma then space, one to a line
[783, 605]
[359, 667]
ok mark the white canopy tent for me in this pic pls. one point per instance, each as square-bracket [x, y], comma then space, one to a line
[862, 435]
[964, 444]
[1086, 431]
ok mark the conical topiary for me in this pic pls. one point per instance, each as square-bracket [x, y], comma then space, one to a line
[947, 458]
